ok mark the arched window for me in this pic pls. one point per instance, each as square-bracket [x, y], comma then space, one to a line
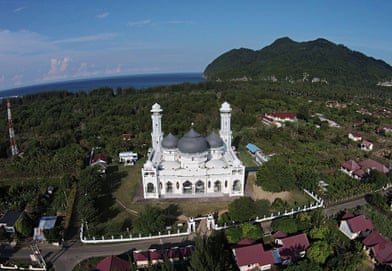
[237, 186]
[187, 187]
[199, 187]
[226, 184]
[169, 187]
[178, 185]
[217, 186]
[150, 188]
[209, 184]
[160, 185]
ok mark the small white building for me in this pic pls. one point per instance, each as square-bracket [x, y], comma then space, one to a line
[128, 158]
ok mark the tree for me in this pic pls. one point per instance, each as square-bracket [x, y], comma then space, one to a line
[24, 226]
[285, 224]
[319, 251]
[304, 266]
[242, 209]
[150, 221]
[245, 230]
[277, 175]
[212, 254]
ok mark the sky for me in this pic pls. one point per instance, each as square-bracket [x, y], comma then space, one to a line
[52, 40]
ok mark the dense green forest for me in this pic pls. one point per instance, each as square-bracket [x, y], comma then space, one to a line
[287, 60]
[56, 131]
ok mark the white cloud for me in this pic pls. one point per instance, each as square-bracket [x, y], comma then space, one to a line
[19, 9]
[17, 80]
[23, 42]
[102, 15]
[116, 70]
[58, 69]
[101, 36]
[139, 23]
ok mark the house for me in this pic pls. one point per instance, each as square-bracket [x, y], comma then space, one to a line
[354, 136]
[355, 226]
[173, 254]
[127, 137]
[141, 258]
[186, 252]
[366, 145]
[101, 161]
[288, 249]
[370, 164]
[45, 223]
[113, 263]
[387, 128]
[379, 248]
[252, 148]
[9, 219]
[278, 118]
[157, 256]
[352, 169]
[253, 256]
[292, 247]
[128, 158]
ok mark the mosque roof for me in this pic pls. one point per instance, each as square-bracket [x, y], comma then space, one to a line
[214, 140]
[170, 141]
[192, 142]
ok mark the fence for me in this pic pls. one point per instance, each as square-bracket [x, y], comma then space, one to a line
[319, 202]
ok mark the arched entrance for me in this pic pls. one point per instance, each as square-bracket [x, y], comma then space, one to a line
[237, 186]
[217, 186]
[169, 187]
[199, 187]
[187, 187]
[150, 188]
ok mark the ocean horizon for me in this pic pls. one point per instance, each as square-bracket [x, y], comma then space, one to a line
[137, 81]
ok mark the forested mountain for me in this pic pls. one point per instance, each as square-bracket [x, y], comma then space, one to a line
[318, 61]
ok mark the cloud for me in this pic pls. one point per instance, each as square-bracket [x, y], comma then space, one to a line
[23, 42]
[58, 68]
[139, 23]
[17, 80]
[19, 9]
[102, 15]
[101, 36]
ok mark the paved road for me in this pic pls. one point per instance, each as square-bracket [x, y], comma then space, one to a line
[67, 257]
[333, 210]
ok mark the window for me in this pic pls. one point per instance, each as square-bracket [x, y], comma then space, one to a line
[226, 184]
[150, 188]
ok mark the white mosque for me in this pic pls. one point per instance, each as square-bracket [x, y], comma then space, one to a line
[192, 166]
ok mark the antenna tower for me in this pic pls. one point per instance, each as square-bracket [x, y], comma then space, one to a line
[14, 148]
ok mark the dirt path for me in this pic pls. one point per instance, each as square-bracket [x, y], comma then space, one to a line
[256, 192]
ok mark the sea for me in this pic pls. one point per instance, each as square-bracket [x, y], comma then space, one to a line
[141, 81]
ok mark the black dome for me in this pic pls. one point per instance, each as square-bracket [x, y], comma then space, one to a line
[214, 140]
[170, 141]
[192, 142]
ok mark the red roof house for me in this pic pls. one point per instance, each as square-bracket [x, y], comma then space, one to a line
[293, 247]
[379, 247]
[253, 256]
[354, 226]
[157, 256]
[113, 263]
[366, 145]
[355, 136]
[141, 258]
[370, 164]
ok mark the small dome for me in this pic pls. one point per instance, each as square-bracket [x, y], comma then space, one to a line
[156, 108]
[192, 142]
[214, 140]
[225, 107]
[216, 163]
[170, 141]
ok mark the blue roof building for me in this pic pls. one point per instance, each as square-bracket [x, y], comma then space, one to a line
[46, 223]
[252, 148]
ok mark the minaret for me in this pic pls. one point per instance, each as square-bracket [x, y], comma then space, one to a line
[225, 130]
[156, 134]
[14, 148]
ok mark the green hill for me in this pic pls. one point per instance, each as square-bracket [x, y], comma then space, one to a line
[320, 61]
